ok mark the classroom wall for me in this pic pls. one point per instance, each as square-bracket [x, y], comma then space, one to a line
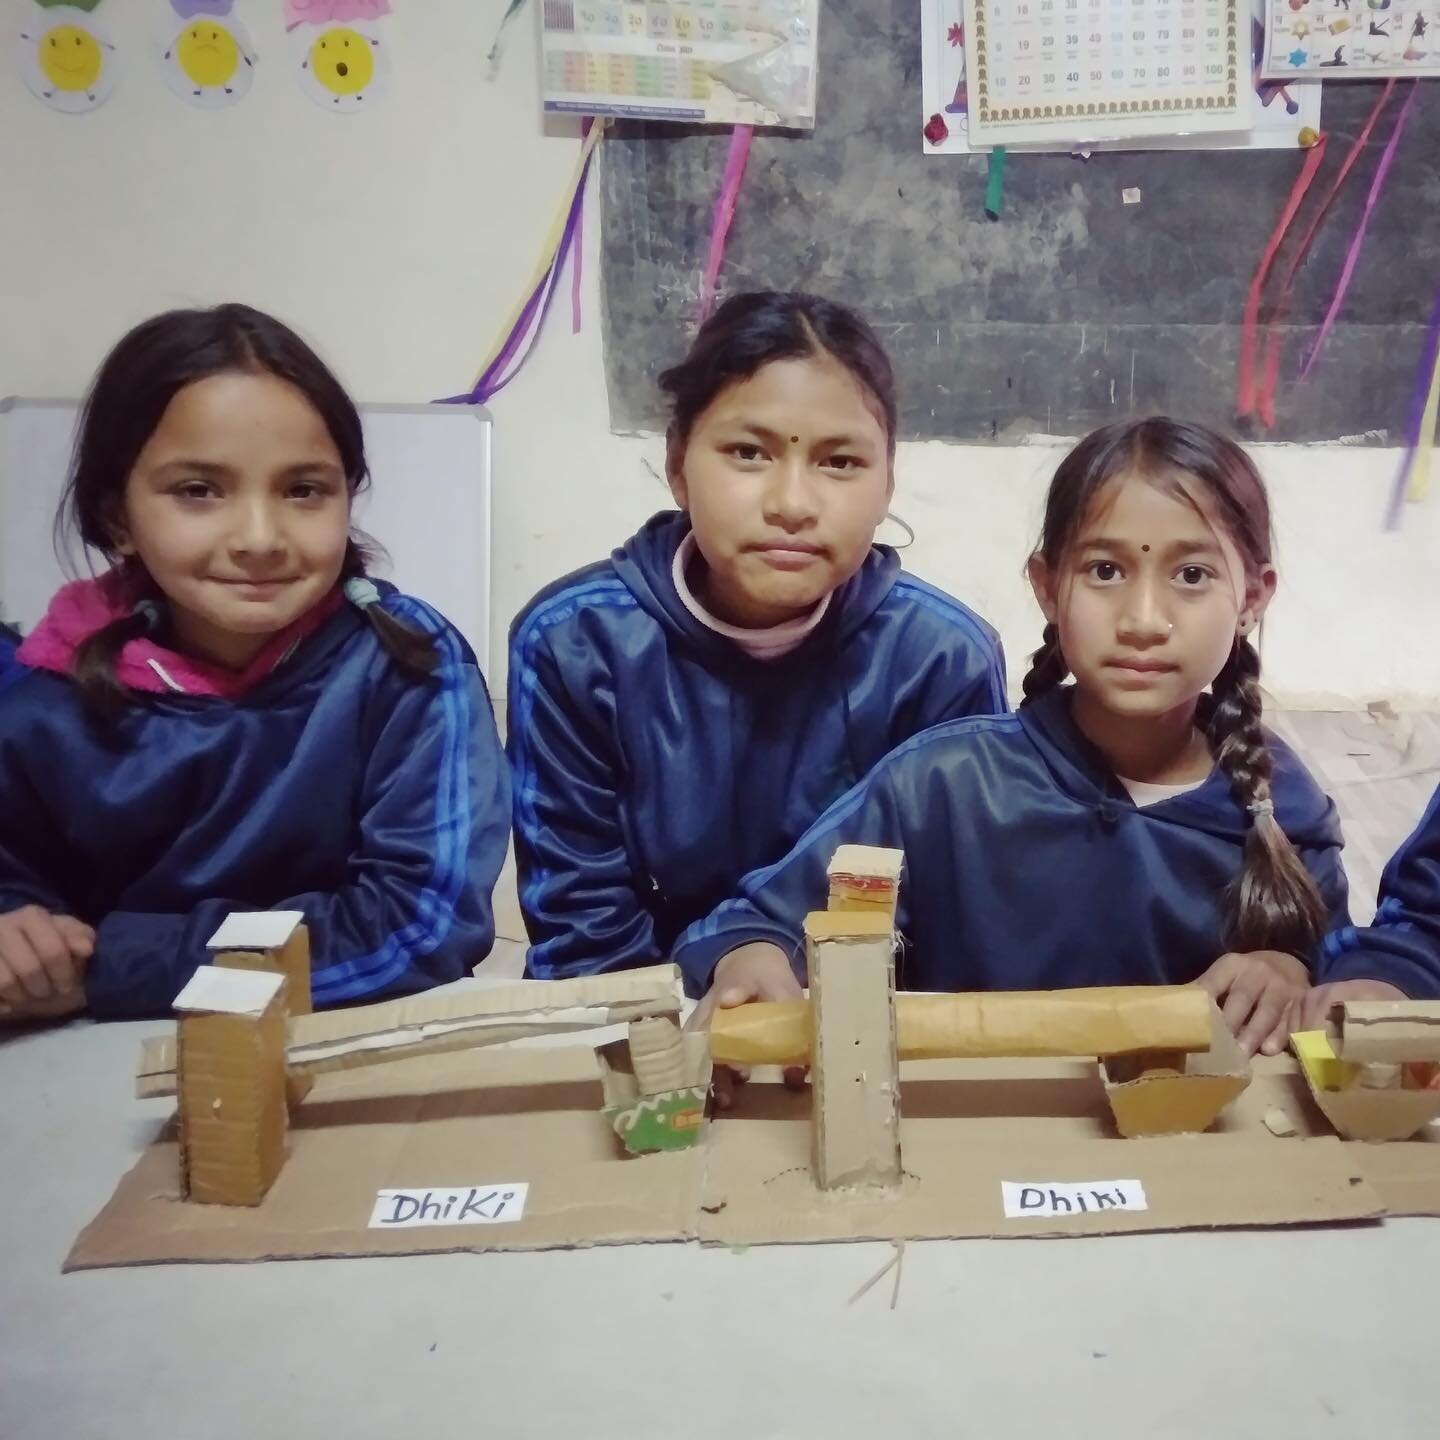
[398, 240]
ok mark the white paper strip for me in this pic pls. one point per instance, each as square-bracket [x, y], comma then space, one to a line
[1047, 1199]
[449, 1205]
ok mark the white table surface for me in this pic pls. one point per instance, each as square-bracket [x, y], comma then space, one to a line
[1309, 1332]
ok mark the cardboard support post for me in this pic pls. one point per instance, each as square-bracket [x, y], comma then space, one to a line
[855, 1079]
[657, 1055]
[276, 942]
[272, 940]
[231, 1062]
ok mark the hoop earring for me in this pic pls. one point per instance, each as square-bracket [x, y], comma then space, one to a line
[904, 525]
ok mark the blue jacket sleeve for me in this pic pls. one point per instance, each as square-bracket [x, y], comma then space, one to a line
[26, 830]
[954, 664]
[1402, 945]
[10, 668]
[772, 903]
[415, 906]
[577, 879]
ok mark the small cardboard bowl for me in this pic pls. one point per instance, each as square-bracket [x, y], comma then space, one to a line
[1172, 1093]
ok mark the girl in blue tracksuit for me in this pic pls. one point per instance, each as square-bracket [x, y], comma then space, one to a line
[233, 716]
[680, 713]
[1401, 947]
[1136, 827]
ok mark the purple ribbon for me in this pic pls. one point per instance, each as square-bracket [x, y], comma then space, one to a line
[531, 320]
[1353, 254]
[1429, 358]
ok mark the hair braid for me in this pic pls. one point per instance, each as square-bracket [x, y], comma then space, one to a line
[1048, 666]
[1273, 904]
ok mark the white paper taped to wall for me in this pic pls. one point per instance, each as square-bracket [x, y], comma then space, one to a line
[449, 1205]
[1045, 1199]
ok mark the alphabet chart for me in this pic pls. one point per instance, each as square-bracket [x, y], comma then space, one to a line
[1042, 71]
[1359, 39]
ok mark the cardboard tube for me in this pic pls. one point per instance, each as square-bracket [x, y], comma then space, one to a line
[1118, 1020]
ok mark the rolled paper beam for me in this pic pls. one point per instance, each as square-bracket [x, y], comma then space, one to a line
[1114, 1020]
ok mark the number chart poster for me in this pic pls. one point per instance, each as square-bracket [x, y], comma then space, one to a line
[1105, 69]
[1356, 39]
[1285, 108]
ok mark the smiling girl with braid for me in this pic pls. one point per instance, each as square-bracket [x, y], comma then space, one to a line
[1138, 826]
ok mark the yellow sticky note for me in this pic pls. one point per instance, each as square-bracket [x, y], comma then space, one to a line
[1317, 1056]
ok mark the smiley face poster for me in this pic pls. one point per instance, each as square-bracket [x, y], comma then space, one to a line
[66, 54]
[208, 59]
[343, 56]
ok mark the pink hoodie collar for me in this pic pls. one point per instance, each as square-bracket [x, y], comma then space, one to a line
[81, 608]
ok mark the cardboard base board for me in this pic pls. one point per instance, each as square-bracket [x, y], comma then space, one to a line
[456, 1119]
[533, 1116]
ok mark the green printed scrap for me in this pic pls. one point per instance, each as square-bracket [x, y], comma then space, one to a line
[660, 1122]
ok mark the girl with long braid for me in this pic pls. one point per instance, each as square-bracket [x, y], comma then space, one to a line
[1136, 826]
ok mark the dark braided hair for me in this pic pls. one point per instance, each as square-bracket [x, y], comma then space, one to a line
[1048, 666]
[1273, 903]
[127, 399]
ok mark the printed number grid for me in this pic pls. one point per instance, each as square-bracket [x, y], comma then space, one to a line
[1053, 60]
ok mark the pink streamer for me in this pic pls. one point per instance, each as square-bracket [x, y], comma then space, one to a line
[322, 12]
[1250, 319]
[1274, 341]
[1357, 244]
[740, 138]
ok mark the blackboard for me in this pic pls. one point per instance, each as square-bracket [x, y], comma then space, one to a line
[1073, 309]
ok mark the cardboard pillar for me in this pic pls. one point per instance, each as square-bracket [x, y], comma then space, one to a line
[273, 940]
[276, 942]
[657, 1055]
[854, 1080]
[230, 1059]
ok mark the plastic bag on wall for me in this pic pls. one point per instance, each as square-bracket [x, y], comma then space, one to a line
[780, 74]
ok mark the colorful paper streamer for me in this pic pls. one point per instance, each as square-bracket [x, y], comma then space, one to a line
[730, 182]
[1274, 338]
[1249, 324]
[511, 11]
[1352, 255]
[1412, 476]
[327, 12]
[522, 329]
[995, 184]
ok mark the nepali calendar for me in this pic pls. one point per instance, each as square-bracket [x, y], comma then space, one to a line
[729, 62]
[1048, 71]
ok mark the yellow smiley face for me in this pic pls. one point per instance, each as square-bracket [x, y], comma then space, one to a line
[207, 54]
[342, 61]
[70, 58]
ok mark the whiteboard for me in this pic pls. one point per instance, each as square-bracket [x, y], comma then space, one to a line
[428, 505]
